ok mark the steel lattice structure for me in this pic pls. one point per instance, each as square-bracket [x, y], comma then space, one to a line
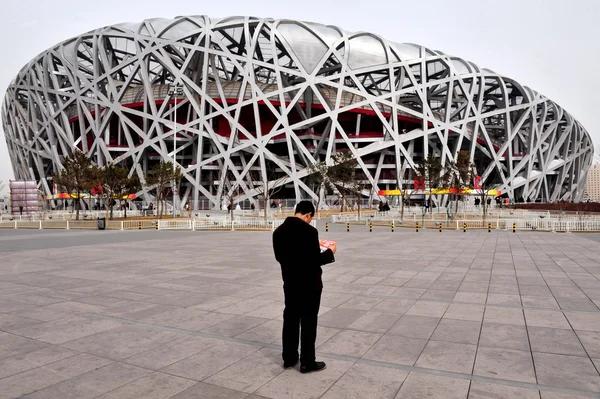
[270, 97]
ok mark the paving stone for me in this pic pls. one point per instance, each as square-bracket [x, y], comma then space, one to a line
[546, 318]
[581, 304]
[539, 302]
[428, 309]
[66, 329]
[349, 343]
[458, 331]
[584, 321]
[291, 384]
[162, 356]
[250, 373]
[367, 382]
[535, 290]
[9, 322]
[90, 384]
[374, 321]
[267, 332]
[460, 311]
[566, 371]
[409, 293]
[340, 317]
[203, 321]
[503, 299]
[419, 385]
[152, 386]
[506, 364]
[504, 336]
[483, 390]
[414, 326]
[470, 297]
[553, 340]
[202, 390]
[504, 316]
[209, 361]
[77, 365]
[11, 345]
[448, 356]
[122, 342]
[591, 342]
[235, 326]
[554, 395]
[393, 305]
[360, 303]
[394, 349]
[30, 360]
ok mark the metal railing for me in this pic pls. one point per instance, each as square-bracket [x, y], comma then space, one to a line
[220, 224]
[554, 224]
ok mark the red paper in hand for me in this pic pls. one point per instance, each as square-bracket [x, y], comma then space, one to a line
[325, 244]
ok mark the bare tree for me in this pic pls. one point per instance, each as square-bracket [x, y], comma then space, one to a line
[483, 189]
[319, 179]
[116, 185]
[77, 177]
[342, 175]
[266, 186]
[231, 190]
[161, 177]
[458, 175]
[431, 168]
[419, 184]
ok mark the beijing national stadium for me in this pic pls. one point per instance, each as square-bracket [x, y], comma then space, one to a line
[246, 95]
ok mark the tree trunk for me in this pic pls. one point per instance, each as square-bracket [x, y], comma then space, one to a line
[266, 199]
[266, 211]
[456, 200]
[483, 203]
[431, 201]
[158, 207]
[76, 203]
[318, 200]
[402, 209]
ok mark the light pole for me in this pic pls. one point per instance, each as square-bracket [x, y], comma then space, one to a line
[175, 89]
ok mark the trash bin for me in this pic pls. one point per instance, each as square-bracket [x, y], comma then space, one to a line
[101, 223]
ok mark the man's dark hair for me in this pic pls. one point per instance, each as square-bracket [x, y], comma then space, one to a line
[305, 207]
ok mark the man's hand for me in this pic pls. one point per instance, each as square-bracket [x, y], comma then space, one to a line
[333, 247]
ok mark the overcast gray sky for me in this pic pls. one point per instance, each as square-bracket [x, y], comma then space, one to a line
[551, 46]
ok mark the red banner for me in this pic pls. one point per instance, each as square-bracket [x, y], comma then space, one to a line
[419, 183]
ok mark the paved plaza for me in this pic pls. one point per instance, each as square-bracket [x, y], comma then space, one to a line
[182, 315]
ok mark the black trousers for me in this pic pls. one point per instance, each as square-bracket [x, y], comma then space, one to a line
[300, 314]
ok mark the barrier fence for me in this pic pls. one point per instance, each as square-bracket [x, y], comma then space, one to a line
[218, 223]
[240, 223]
[556, 225]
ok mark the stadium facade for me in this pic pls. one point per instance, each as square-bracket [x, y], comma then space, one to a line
[253, 99]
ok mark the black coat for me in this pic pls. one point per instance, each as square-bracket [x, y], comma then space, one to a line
[297, 249]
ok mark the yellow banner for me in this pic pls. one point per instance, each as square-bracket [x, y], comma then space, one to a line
[83, 195]
[442, 191]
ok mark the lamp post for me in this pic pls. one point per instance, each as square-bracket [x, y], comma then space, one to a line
[175, 89]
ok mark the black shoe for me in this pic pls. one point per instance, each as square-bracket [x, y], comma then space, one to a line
[289, 365]
[311, 368]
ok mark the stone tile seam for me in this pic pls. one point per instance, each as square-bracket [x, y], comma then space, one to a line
[422, 370]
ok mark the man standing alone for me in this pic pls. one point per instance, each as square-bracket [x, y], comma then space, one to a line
[297, 249]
